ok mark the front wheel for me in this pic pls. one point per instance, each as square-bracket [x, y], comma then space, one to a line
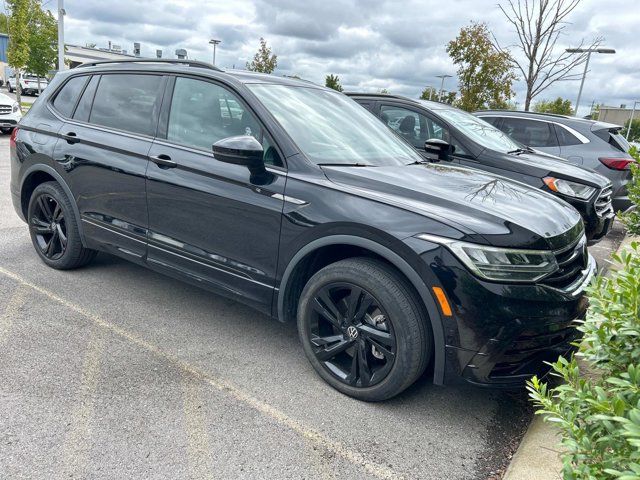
[54, 228]
[362, 329]
[7, 131]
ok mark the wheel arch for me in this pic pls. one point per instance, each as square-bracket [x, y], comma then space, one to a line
[38, 174]
[384, 253]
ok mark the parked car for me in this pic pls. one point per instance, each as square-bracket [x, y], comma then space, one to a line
[29, 84]
[10, 113]
[588, 143]
[301, 204]
[457, 136]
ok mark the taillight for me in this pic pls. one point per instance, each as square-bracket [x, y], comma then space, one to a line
[12, 139]
[616, 163]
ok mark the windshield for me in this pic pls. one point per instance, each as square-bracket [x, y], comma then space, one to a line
[479, 130]
[329, 127]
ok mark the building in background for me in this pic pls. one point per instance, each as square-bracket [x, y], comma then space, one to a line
[617, 115]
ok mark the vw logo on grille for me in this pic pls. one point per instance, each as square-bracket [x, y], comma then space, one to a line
[352, 332]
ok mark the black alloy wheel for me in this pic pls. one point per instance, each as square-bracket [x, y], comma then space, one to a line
[49, 227]
[351, 334]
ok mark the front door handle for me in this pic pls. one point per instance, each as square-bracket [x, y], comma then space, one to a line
[163, 161]
[71, 137]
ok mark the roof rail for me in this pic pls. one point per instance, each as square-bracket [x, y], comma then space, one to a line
[190, 63]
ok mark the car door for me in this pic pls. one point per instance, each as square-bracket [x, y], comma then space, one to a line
[213, 223]
[104, 148]
[533, 133]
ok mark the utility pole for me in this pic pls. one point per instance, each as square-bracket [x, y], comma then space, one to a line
[588, 51]
[214, 42]
[61, 14]
[633, 112]
[442, 85]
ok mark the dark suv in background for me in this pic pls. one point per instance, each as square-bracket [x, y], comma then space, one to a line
[589, 143]
[296, 201]
[454, 135]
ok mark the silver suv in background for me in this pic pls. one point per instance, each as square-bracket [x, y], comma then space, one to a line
[589, 143]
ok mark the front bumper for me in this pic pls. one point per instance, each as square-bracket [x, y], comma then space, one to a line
[10, 120]
[500, 335]
[596, 225]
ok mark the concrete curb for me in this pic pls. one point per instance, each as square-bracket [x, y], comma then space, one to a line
[538, 456]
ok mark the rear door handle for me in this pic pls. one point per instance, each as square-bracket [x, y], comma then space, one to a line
[71, 137]
[163, 161]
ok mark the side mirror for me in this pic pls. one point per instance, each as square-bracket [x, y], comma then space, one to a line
[241, 150]
[438, 149]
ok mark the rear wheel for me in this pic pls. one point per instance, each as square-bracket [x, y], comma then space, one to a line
[363, 330]
[54, 228]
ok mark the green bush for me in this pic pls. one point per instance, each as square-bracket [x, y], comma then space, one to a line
[631, 219]
[597, 408]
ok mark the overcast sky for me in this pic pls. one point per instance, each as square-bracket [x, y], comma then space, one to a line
[370, 44]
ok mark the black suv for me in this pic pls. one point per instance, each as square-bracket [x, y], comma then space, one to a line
[454, 135]
[296, 201]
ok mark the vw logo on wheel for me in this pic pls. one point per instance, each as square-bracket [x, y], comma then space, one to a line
[352, 332]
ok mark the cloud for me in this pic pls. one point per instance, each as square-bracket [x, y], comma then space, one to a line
[370, 44]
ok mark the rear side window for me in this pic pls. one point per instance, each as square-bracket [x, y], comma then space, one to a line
[566, 138]
[127, 102]
[492, 120]
[67, 97]
[84, 106]
[529, 132]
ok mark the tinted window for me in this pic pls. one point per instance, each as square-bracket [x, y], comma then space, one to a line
[413, 126]
[565, 137]
[492, 120]
[127, 102]
[68, 96]
[84, 106]
[529, 132]
[203, 113]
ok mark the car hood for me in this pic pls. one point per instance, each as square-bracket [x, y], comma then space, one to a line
[550, 165]
[484, 208]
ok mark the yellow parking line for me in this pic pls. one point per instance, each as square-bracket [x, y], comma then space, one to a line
[15, 304]
[78, 439]
[198, 448]
[373, 468]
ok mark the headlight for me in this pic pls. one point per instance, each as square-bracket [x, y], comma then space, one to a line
[500, 264]
[16, 107]
[571, 189]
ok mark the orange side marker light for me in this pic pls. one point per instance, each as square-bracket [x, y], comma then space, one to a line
[442, 300]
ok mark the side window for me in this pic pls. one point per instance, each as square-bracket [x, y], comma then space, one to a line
[67, 97]
[413, 126]
[529, 132]
[366, 105]
[84, 105]
[565, 137]
[492, 120]
[203, 113]
[127, 102]
[271, 155]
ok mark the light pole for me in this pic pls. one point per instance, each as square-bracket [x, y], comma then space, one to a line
[633, 112]
[61, 14]
[588, 51]
[214, 42]
[442, 85]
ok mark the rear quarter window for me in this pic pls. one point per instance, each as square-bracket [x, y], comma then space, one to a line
[67, 97]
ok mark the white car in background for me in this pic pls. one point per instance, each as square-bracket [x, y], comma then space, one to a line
[10, 113]
[28, 84]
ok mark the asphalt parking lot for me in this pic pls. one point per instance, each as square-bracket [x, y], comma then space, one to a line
[114, 371]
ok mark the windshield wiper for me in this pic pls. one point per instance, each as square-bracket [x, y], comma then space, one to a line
[520, 151]
[419, 162]
[338, 164]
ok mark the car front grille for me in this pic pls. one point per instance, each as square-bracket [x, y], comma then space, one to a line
[603, 202]
[6, 109]
[572, 260]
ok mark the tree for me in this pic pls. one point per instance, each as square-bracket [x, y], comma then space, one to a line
[429, 93]
[634, 133]
[18, 51]
[485, 74]
[4, 23]
[384, 91]
[538, 26]
[559, 106]
[42, 41]
[333, 81]
[263, 61]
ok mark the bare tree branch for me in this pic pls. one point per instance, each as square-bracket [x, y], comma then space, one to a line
[539, 24]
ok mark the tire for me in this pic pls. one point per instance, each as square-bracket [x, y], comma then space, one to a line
[54, 228]
[10, 89]
[7, 131]
[377, 352]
